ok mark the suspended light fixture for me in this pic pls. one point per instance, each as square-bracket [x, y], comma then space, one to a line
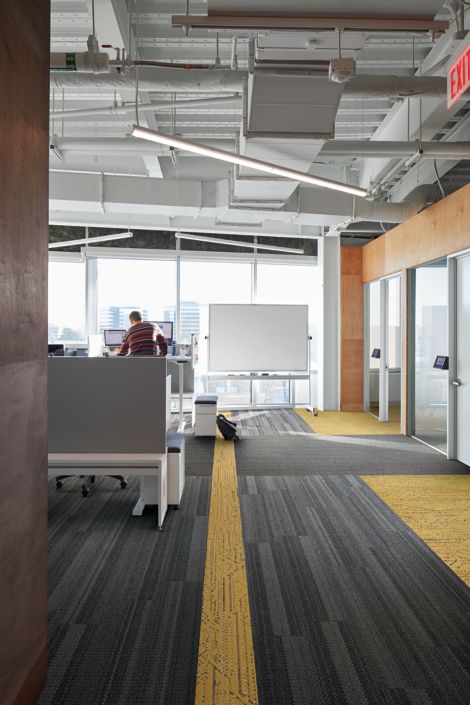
[232, 158]
[91, 240]
[237, 243]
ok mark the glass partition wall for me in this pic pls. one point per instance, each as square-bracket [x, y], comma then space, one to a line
[429, 338]
[382, 362]
[177, 286]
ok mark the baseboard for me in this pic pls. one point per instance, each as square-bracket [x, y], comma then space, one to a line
[34, 682]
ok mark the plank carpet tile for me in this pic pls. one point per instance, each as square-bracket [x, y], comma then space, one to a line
[272, 422]
[349, 606]
[124, 598]
[313, 454]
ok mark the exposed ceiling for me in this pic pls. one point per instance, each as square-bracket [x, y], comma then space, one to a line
[263, 92]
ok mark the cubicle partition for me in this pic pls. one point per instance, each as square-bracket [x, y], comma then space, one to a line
[109, 416]
[107, 405]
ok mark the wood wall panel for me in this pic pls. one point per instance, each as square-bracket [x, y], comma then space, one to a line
[437, 232]
[24, 147]
[352, 330]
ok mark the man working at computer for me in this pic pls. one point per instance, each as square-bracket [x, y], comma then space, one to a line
[142, 338]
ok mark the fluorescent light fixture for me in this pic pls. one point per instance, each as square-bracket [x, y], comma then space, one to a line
[146, 134]
[236, 243]
[90, 240]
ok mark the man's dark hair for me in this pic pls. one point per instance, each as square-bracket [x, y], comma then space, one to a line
[135, 316]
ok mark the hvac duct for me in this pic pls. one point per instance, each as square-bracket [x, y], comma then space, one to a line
[220, 80]
[155, 79]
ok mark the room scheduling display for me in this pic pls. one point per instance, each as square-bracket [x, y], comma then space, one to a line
[376, 352]
[441, 362]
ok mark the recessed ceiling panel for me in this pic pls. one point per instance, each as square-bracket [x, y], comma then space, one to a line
[404, 8]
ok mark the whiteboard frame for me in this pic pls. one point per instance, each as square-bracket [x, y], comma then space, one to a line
[305, 370]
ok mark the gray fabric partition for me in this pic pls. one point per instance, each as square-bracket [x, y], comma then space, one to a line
[107, 405]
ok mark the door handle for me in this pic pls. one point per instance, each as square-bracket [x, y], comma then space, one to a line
[457, 382]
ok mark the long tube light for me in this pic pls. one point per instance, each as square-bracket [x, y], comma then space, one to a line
[90, 240]
[171, 141]
[236, 243]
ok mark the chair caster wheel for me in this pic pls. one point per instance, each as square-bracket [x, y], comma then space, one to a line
[85, 491]
[58, 484]
[123, 484]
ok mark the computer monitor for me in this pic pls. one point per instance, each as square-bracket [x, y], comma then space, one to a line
[56, 349]
[113, 338]
[166, 328]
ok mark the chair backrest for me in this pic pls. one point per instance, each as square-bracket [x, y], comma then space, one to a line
[107, 405]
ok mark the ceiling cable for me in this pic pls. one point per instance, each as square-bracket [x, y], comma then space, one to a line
[93, 17]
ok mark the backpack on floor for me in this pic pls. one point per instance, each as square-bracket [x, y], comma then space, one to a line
[227, 428]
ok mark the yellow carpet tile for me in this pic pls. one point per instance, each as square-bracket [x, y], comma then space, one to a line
[437, 509]
[226, 665]
[347, 423]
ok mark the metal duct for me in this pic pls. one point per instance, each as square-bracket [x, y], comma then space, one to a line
[155, 79]
[397, 86]
[217, 80]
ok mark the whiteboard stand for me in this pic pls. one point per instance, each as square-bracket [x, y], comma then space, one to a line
[309, 406]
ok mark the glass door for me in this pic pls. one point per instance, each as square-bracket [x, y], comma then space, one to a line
[383, 348]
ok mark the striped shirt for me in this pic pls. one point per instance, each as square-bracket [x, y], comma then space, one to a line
[143, 338]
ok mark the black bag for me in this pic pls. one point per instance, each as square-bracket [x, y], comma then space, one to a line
[227, 428]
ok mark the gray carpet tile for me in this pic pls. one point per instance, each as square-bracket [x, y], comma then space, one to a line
[124, 598]
[349, 607]
[269, 422]
[312, 454]
[199, 455]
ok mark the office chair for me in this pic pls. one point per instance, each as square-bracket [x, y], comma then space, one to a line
[88, 481]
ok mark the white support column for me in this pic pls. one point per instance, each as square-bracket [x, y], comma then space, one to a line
[329, 329]
[91, 295]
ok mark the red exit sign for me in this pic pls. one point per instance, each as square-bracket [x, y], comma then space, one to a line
[458, 77]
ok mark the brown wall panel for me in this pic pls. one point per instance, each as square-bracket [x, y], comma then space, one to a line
[438, 231]
[352, 330]
[24, 76]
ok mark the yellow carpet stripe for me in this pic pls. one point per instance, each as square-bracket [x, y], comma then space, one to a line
[437, 509]
[226, 664]
[347, 423]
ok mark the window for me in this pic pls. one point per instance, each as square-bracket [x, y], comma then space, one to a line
[66, 301]
[290, 284]
[213, 282]
[124, 285]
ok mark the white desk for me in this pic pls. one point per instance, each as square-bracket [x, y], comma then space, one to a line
[117, 464]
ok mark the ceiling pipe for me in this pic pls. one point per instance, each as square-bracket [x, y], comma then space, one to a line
[333, 148]
[122, 145]
[384, 149]
[223, 80]
[128, 108]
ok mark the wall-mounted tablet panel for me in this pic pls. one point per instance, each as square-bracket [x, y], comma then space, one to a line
[258, 338]
[441, 362]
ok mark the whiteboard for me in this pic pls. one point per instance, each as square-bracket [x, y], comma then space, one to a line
[258, 338]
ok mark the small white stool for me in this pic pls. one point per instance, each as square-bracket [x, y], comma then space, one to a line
[175, 474]
[205, 415]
